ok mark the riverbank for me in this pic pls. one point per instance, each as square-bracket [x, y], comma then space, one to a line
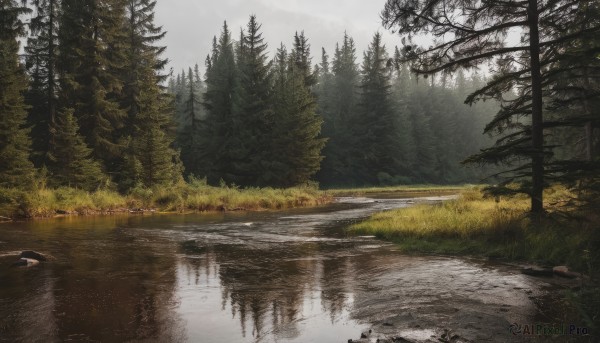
[195, 196]
[198, 268]
[499, 228]
[394, 190]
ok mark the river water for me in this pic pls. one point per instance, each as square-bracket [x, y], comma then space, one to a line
[286, 276]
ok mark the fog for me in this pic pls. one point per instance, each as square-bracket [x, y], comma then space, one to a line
[191, 25]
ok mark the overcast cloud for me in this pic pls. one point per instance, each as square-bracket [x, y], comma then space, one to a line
[191, 24]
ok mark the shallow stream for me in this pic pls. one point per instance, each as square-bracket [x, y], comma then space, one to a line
[285, 276]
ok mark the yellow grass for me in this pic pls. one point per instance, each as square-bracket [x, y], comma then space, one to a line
[184, 197]
[495, 227]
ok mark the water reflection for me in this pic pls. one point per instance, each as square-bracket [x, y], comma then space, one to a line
[102, 284]
[235, 277]
[272, 293]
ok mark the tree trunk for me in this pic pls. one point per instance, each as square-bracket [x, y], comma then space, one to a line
[589, 141]
[537, 120]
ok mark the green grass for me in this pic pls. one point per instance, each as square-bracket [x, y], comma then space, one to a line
[503, 229]
[195, 196]
[433, 189]
[499, 228]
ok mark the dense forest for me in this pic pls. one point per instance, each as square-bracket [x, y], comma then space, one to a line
[90, 104]
[381, 125]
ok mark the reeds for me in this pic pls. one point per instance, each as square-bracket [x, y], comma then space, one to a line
[195, 196]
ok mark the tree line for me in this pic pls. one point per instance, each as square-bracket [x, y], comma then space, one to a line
[86, 108]
[338, 122]
[90, 105]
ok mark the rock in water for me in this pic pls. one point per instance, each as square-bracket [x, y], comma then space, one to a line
[537, 272]
[565, 272]
[26, 262]
[29, 254]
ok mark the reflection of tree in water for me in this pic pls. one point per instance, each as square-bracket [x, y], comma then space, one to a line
[268, 288]
[336, 282]
[266, 282]
[26, 304]
[117, 288]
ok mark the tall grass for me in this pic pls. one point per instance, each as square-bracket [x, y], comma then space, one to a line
[397, 189]
[193, 196]
[494, 227]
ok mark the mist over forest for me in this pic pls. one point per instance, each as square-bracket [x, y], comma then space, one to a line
[91, 105]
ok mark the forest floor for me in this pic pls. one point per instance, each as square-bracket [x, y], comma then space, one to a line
[500, 229]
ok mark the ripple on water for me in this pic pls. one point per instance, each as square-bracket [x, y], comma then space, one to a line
[289, 276]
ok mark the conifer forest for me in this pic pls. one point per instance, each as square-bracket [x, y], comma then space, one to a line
[300, 171]
[87, 101]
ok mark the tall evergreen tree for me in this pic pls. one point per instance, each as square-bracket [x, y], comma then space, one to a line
[297, 145]
[151, 149]
[143, 56]
[218, 128]
[402, 97]
[70, 162]
[189, 137]
[15, 168]
[251, 148]
[342, 105]
[92, 56]
[150, 112]
[301, 58]
[527, 65]
[375, 128]
[574, 108]
[42, 56]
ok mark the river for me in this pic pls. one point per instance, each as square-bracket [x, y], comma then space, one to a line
[285, 276]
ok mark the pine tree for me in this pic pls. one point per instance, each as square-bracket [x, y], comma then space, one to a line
[337, 167]
[70, 161]
[250, 150]
[42, 55]
[92, 56]
[407, 153]
[297, 127]
[529, 66]
[189, 138]
[153, 155]
[15, 168]
[148, 106]
[301, 58]
[375, 128]
[217, 130]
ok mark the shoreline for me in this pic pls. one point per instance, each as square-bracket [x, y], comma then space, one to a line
[500, 230]
[18, 205]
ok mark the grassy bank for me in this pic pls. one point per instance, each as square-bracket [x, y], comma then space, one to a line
[195, 196]
[409, 189]
[501, 228]
[475, 225]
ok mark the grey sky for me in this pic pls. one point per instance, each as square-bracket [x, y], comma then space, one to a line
[191, 24]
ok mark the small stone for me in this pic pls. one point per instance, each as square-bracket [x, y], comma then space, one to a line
[565, 272]
[537, 271]
[26, 262]
[33, 255]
